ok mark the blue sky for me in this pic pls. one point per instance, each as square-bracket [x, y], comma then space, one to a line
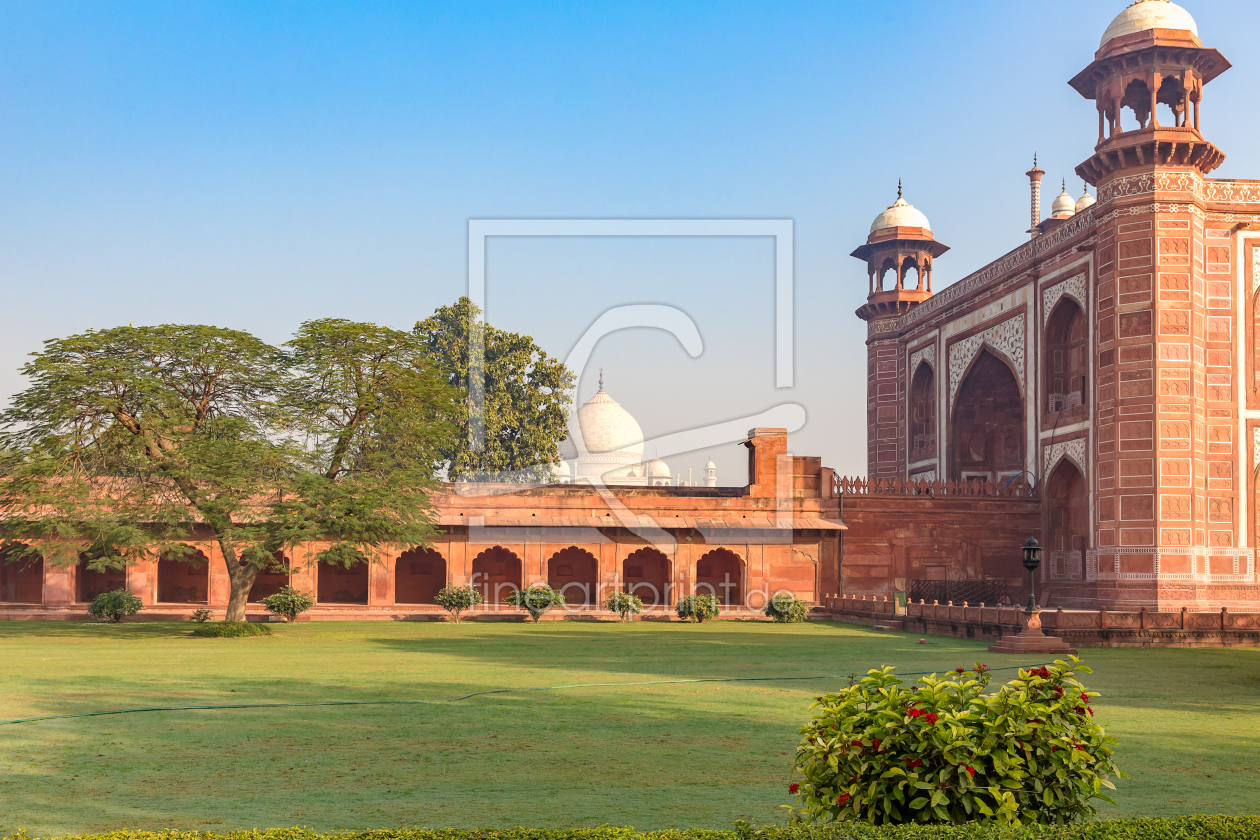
[255, 164]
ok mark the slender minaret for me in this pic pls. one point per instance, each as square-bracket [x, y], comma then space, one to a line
[710, 474]
[1034, 180]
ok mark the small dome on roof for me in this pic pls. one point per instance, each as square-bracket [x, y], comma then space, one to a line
[1145, 15]
[710, 465]
[1064, 206]
[900, 214]
[1085, 201]
[656, 468]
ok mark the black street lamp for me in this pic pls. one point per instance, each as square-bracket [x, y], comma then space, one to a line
[1032, 560]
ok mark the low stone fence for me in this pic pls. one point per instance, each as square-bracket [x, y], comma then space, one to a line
[1079, 628]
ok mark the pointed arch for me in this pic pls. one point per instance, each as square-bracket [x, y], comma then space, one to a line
[337, 584]
[988, 424]
[575, 573]
[720, 572]
[1065, 356]
[1067, 521]
[496, 573]
[183, 581]
[21, 578]
[647, 574]
[90, 582]
[922, 412]
[419, 575]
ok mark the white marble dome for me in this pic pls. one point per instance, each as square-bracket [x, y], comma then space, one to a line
[1063, 206]
[710, 465]
[656, 468]
[1145, 15]
[901, 214]
[607, 427]
[1086, 201]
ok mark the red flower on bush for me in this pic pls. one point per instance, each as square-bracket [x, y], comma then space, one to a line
[842, 799]
[959, 671]
[793, 788]
[856, 744]
[971, 770]
[912, 763]
[875, 742]
[931, 719]
[915, 712]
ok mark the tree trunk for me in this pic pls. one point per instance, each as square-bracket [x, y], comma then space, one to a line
[242, 577]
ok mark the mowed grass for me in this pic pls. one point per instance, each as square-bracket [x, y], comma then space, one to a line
[651, 756]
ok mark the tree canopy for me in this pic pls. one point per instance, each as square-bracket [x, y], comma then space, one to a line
[129, 442]
[525, 404]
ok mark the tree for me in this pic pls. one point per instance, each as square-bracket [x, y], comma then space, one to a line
[130, 442]
[623, 603]
[114, 605]
[289, 603]
[456, 599]
[536, 600]
[526, 397]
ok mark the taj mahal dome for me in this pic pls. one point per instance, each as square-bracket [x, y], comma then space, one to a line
[613, 444]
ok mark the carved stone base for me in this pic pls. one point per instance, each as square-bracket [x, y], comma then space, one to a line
[1032, 640]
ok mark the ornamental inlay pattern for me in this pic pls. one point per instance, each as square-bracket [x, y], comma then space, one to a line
[1255, 269]
[1075, 286]
[930, 475]
[928, 353]
[1223, 192]
[1052, 454]
[1255, 448]
[1006, 338]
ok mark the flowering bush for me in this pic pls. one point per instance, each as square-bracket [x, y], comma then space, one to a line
[623, 603]
[456, 599]
[537, 599]
[697, 608]
[115, 605]
[786, 608]
[944, 751]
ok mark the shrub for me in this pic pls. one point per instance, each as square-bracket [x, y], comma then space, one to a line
[787, 609]
[624, 604]
[537, 599]
[114, 605]
[944, 751]
[200, 616]
[288, 602]
[698, 608]
[232, 629]
[456, 599]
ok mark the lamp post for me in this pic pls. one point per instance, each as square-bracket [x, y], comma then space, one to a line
[1032, 560]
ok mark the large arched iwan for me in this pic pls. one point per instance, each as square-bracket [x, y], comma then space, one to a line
[183, 581]
[419, 575]
[720, 572]
[575, 573]
[496, 573]
[987, 439]
[21, 579]
[646, 573]
[1067, 526]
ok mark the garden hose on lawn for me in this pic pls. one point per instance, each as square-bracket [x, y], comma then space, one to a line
[459, 698]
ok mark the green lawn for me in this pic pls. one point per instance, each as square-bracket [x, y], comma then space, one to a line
[649, 756]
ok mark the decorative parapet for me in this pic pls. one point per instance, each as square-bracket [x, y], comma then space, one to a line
[928, 489]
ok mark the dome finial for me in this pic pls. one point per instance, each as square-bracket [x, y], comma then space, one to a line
[898, 188]
[601, 378]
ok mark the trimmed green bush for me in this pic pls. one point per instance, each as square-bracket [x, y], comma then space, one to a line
[232, 629]
[288, 602]
[697, 608]
[201, 616]
[785, 608]
[456, 599]
[537, 599]
[624, 604]
[1176, 828]
[944, 751]
[113, 606]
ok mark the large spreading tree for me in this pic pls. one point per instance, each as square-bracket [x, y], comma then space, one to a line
[131, 442]
[524, 403]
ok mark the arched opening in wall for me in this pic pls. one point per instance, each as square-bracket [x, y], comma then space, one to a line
[1067, 530]
[910, 276]
[888, 267]
[987, 440]
[1065, 358]
[21, 577]
[575, 573]
[923, 413]
[1172, 102]
[1137, 98]
[337, 584]
[419, 575]
[185, 580]
[720, 573]
[272, 578]
[91, 580]
[646, 573]
[496, 573]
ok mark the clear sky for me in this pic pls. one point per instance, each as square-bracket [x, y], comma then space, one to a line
[255, 164]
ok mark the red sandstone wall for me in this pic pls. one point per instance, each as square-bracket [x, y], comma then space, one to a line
[891, 540]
